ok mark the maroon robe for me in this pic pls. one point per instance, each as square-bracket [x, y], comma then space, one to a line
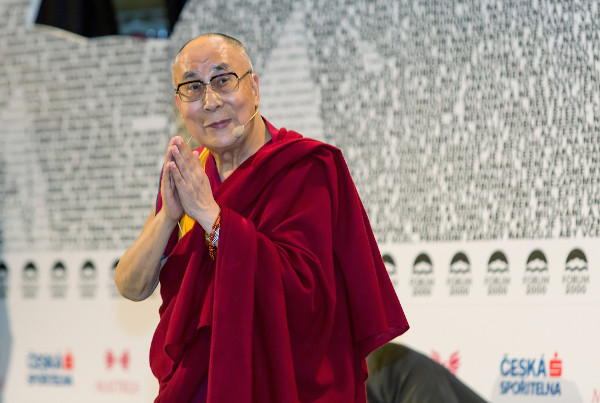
[297, 297]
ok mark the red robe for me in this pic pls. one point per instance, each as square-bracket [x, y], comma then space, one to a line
[297, 297]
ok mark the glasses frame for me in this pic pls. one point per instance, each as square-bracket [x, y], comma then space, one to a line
[184, 98]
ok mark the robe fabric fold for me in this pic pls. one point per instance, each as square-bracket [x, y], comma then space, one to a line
[297, 297]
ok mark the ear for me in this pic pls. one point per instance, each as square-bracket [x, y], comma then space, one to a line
[178, 103]
[255, 89]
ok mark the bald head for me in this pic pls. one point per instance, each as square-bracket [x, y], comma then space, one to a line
[229, 40]
[210, 54]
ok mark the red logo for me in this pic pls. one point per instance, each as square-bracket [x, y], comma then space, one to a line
[112, 360]
[68, 361]
[116, 382]
[452, 364]
[555, 366]
[596, 397]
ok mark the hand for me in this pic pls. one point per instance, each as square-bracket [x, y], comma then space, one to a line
[171, 203]
[191, 184]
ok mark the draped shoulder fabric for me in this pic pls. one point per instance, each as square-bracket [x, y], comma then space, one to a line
[297, 297]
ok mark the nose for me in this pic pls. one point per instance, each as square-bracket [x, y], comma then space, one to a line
[211, 99]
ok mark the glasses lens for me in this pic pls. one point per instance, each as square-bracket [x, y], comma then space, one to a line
[193, 91]
[224, 83]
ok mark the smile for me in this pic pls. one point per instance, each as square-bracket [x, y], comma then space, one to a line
[220, 124]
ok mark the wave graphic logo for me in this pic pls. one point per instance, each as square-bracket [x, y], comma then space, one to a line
[459, 276]
[498, 263]
[576, 276]
[30, 280]
[422, 279]
[423, 264]
[88, 282]
[114, 291]
[390, 267]
[460, 264]
[3, 282]
[537, 277]
[497, 278]
[536, 262]
[58, 277]
[576, 261]
[390, 264]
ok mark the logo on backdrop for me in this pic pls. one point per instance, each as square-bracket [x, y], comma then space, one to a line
[576, 277]
[530, 376]
[537, 276]
[390, 264]
[113, 360]
[534, 379]
[30, 283]
[58, 280]
[114, 291]
[117, 379]
[50, 369]
[451, 365]
[3, 280]
[459, 276]
[497, 278]
[88, 280]
[422, 279]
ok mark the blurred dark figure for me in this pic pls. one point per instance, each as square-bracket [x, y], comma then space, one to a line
[399, 374]
[93, 18]
[89, 18]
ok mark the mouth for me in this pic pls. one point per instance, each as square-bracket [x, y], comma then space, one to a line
[220, 124]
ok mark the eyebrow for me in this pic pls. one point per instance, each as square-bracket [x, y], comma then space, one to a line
[218, 68]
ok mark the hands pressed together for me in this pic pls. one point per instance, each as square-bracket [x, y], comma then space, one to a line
[185, 188]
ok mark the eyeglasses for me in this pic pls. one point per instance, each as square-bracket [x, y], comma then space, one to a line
[226, 83]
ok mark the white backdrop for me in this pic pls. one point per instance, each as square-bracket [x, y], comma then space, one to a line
[501, 327]
[72, 338]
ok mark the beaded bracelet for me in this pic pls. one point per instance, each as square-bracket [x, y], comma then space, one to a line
[212, 239]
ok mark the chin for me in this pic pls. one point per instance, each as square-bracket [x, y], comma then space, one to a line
[221, 142]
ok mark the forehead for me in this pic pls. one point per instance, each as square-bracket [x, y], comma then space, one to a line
[204, 57]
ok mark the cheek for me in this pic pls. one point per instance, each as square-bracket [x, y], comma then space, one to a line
[189, 109]
[192, 121]
[190, 114]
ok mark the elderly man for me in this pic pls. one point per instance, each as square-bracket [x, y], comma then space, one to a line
[272, 284]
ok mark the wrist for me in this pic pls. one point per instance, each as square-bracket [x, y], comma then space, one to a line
[212, 239]
[165, 219]
[208, 217]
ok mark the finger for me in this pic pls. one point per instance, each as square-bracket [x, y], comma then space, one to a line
[186, 154]
[176, 175]
[191, 157]
[171, 183]
[184, 148]
[168, 189]
[183, 193]
[183, 165]
[165, 180]
[169, 152]
[173, 189]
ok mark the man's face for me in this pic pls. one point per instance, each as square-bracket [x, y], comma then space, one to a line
[212, 118]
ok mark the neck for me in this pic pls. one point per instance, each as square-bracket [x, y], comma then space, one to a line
[228, 160]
